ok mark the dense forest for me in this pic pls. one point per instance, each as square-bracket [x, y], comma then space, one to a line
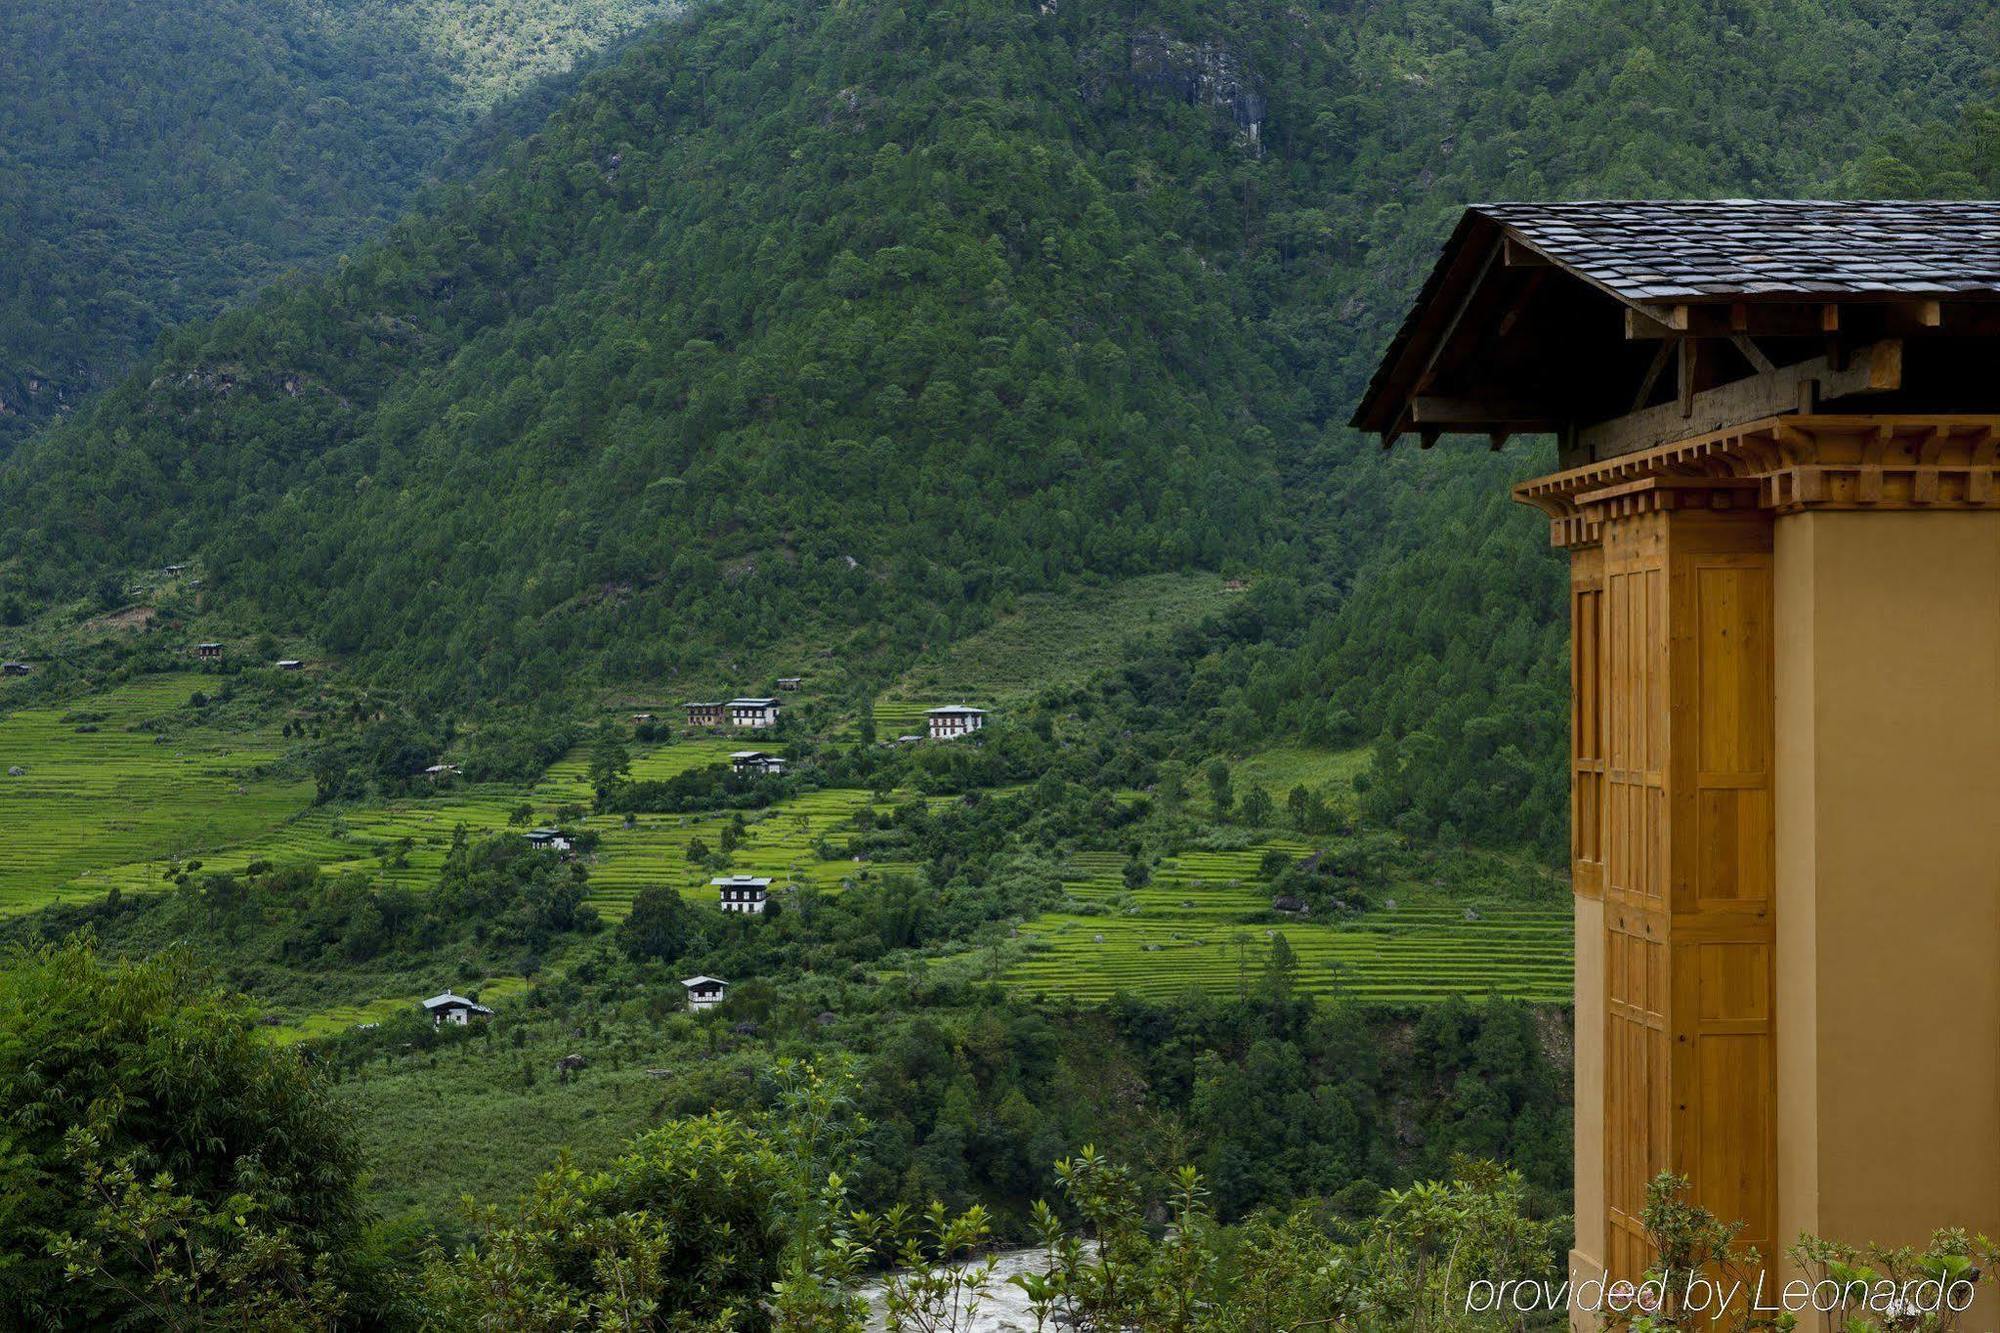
[841, 323]
[159, 159]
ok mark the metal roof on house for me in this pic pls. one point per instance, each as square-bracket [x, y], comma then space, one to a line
[692, 982]
[450, 1001]
[742, 881]
[955, 710]
[754, 703]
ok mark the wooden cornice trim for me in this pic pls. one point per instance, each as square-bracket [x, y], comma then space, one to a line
[1791, 463]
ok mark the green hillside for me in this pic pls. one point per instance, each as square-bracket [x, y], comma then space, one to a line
[158, 159]
[993, 351]
[847, 326]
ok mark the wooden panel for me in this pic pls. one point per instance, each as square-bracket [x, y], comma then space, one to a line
[1587, 739]
[1733, 980]
[1730, 858]
[1672, 755]
[1733, 1173]
[1732, 719]
[1635, 722]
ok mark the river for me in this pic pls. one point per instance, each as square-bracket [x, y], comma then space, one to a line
[1003, 1309]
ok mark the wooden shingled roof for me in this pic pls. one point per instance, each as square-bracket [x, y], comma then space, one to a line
[1552, 317]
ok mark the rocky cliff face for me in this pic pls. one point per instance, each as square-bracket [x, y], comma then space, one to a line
[1205, 75]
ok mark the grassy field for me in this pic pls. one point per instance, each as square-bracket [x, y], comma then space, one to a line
[97, 793]
[118, 784]
[778, 841]
[1186, 929]
[1282, 767]
[328, 1022]
[1048, 641]
[102, 804]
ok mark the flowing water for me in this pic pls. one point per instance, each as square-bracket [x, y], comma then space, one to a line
[1003, 1308]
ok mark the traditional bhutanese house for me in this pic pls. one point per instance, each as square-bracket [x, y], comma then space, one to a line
[707, 715]
[14, 668]
[790, 682]
[743, 893]
[642, 717]
[953, 721]
[548, 839]
[756, 762]
[449, 1008]
[290, 664]
[753, 712]
[1777, 427]
[436, 771]
[705, 992]
[208, 652]
[173, 569]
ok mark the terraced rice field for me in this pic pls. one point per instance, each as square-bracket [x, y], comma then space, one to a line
[903, 717]
[778, 841]
[95, 794]
[1185, 929]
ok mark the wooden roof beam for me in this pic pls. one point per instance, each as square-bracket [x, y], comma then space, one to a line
[1472, 295]
[1792, 319]
[1875, 368]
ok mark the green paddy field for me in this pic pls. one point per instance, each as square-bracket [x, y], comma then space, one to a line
[114, 788]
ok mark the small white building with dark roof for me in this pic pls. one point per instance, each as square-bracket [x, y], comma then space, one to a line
[744, 893]
[756, 762]
[705, 992]
[753, 712]
[450, 1008]
[953, 720]
[548, 839]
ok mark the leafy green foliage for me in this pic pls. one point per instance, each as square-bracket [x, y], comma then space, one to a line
[660, 927]
[680, 1234]
[144, 1090]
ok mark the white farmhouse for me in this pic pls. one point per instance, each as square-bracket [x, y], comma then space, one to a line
[744, 893]
[954, 720]
[705, 992]
[753, 712]
[449, 1008]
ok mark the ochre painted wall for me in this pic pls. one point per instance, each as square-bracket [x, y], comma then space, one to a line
[1587, 1259]
[1888, 865]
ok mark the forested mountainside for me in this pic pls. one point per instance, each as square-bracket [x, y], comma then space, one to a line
[159, 157]
[846, 323]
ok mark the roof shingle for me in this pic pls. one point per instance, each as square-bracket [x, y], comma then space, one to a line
[1732, 249]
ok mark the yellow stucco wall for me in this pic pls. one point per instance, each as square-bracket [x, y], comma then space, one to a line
[1587, 1260]
[1888, 873]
